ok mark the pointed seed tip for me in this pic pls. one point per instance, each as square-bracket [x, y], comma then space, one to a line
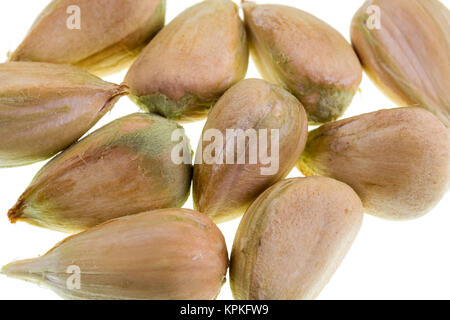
[5, 270]
[15, 212]
[12, 270]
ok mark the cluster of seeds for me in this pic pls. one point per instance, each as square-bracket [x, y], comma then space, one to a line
[121, 188]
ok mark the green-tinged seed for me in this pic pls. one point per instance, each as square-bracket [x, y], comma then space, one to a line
[191, 62]
[304, 55]
[44, 108]
[171, 254]
[124, 168]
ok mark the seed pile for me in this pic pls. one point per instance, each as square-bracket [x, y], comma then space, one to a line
[120, 189]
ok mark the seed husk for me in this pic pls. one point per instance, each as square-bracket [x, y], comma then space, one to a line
[408, 54]
[398, 160]
[292, 239]
[121, 169]
[171, 254]
[224, 189]
[44, 108]
[191, 62]
[111, 33]
[305, 56]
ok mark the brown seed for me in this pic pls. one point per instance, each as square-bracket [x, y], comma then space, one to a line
[111, 33]
[398, 161]
[44, 108]
[293, 238]
[408, 54]
[172, 254]
[228, 178]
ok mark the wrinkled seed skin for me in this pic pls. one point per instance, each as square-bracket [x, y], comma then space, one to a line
[121, 169]
[112, 33]
[398, 160]
[293, 238]
[408, 58]
[44, 108]
[304, 55]
[224, 191]
[172, 254]
[191, 62]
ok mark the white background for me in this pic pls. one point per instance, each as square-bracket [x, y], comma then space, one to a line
[389, 260]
